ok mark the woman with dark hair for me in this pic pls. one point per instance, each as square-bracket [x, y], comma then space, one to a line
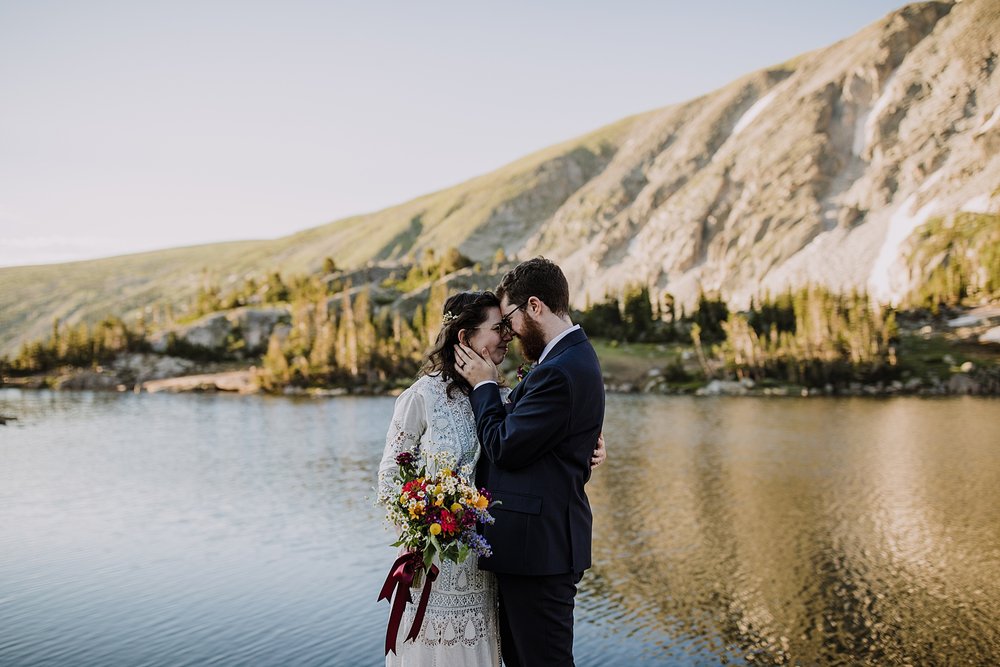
[467, 319]
[434, 414]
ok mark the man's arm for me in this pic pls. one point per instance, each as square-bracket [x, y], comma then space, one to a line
[531, 429]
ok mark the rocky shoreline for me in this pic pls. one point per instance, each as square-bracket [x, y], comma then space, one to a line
[967, 381]
[983, 383]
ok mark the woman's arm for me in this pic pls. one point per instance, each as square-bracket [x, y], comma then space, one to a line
[405, 429]
[600, 454]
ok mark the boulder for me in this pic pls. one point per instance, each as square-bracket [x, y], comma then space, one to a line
[255, 325]
[723, 388]
[139, 368]
[964, 321]
[960, 383]
[990, 336]
[233, 381]
[209, 332]
[87, 379]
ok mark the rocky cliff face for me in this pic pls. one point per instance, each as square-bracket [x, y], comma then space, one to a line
[816, 170]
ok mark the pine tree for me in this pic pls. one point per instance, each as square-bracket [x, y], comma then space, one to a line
[322, 355]
[274, 370]
[347, 336]
[637, 313]
[365, 332]
[434, 311]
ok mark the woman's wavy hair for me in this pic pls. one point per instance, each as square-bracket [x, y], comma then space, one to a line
[465, 310]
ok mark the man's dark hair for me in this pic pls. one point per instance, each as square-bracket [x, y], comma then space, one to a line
[536, 277]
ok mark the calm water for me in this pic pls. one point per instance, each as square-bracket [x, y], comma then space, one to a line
[192, 530]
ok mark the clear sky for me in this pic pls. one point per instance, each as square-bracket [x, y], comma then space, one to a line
[128, 126]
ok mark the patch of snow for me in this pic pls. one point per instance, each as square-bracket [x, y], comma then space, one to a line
[752, 113]
[871, 119]
[928, 182]
[980, 204]
[902, 223]
[989, 123]
[860, 132]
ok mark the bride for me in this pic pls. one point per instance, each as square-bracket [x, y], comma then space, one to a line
[434, 414]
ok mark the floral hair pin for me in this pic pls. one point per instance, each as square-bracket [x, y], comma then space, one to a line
[448, 317]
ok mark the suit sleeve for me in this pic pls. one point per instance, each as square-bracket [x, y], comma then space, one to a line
[517, 438]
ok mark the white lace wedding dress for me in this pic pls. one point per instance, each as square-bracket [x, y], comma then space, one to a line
[460, 625]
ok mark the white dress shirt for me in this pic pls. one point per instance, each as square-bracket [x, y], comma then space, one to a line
[552, 343]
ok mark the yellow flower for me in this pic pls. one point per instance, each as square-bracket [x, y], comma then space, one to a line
[455, 507]
[435, 529]
[403, 499]
[482, 503]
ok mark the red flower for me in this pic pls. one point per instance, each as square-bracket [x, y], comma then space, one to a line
[448, 522]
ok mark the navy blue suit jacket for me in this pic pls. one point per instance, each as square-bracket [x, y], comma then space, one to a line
[535, 459]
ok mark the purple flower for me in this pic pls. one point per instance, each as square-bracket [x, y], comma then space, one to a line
[477, 543]
[484, 517]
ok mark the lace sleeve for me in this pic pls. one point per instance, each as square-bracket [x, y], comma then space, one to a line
[407, 425]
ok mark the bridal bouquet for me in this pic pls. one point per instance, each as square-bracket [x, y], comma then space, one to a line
[436, 509]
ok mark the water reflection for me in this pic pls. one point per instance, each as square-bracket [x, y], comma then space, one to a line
[829, 532]
[218, 529]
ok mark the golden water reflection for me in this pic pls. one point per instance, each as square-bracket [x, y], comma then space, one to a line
[840, 532]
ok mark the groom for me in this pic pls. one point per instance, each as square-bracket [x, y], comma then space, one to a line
[536, 455]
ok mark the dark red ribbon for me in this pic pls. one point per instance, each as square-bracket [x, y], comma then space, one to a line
[398, 583]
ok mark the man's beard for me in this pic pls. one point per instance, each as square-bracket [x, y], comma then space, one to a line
[532, 340]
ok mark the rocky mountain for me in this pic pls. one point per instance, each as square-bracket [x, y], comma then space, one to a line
[815, 170]
[821, 169]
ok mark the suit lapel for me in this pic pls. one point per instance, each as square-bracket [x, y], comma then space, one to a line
[515, 394]
[568, 341]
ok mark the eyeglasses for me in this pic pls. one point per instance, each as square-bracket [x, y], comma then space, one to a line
[499, 328]
[506, 328]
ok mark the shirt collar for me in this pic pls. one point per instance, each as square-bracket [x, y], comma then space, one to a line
[552, 343]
